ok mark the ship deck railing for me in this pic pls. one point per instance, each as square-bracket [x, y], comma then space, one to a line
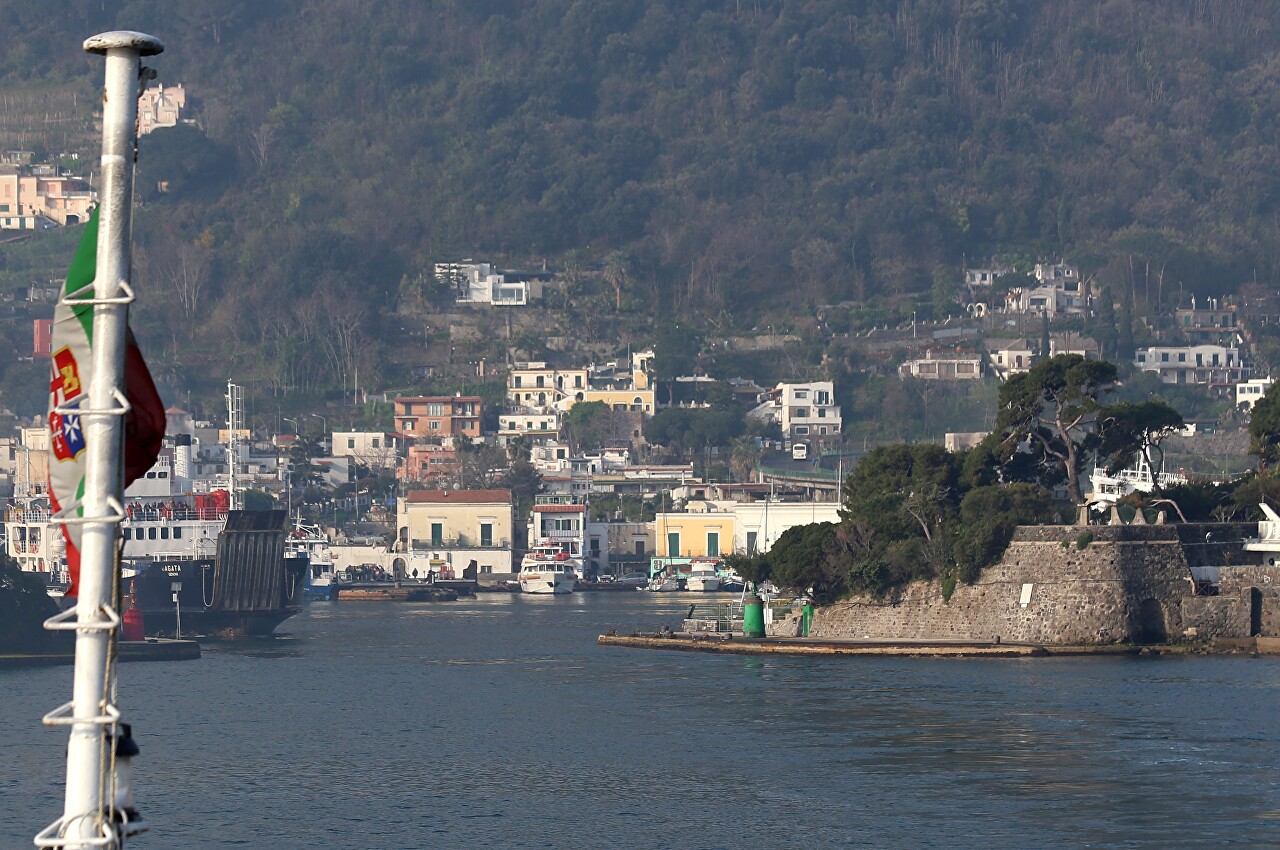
[135, 513]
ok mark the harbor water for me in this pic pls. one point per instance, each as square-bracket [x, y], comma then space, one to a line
[498, 722]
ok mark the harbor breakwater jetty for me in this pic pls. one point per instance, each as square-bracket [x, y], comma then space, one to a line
[1082, 585]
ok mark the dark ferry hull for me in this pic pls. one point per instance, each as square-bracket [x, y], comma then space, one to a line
[249, 589]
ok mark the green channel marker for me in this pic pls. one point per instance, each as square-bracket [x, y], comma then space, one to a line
[753, 617]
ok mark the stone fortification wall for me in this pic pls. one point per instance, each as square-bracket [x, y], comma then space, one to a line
[1216, 616]
[1058, 585]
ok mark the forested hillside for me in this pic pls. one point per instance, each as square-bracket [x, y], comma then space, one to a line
[743, 155]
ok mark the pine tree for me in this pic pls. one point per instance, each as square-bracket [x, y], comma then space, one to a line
[1104, 326]
[1124, 327]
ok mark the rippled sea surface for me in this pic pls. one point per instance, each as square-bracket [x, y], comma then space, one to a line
[498, 722]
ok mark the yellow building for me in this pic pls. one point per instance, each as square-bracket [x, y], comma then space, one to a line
[638, 401]
[707, 534]
[455, 519]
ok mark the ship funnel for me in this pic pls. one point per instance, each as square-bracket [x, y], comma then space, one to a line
[1268, 512]
[182, 456]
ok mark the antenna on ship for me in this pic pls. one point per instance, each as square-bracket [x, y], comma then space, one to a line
[97, 806]
[235, 421]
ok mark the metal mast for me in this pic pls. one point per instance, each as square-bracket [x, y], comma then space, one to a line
[235, 422]
[90, 817]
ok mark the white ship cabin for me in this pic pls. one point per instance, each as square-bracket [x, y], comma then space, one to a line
[1108, 489]
[163, 520]
[175, 529]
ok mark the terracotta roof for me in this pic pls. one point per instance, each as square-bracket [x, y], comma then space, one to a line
[458, 496]
[559, 509]
[440, 398]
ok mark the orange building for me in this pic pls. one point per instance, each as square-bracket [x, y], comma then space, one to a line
[439, 416]
[428, 463]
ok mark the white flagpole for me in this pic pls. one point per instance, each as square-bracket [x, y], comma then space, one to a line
[85, 808]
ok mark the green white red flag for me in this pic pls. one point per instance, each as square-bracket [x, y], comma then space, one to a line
[70, 379]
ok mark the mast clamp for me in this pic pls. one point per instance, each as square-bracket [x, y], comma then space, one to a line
[65, 622]
[121, 409]
[64, 516]
[61, 716]
[73, 301]
[50, 836]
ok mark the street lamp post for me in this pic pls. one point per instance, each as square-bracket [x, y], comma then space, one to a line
[324, 423]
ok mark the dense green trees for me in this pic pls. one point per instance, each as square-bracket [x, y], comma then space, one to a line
[694, 428]
[702, 156]
[1264, 428]
[907, 514]
[1050, 413]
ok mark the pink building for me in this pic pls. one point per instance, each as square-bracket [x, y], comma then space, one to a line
[29, 202]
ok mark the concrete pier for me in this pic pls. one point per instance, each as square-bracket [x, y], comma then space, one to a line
[736, 645]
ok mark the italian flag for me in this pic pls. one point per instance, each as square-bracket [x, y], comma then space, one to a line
[70, 378]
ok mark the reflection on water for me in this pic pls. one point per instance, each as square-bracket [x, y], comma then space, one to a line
[497, 722]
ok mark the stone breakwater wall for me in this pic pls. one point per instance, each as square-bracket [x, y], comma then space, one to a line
[1073, 585]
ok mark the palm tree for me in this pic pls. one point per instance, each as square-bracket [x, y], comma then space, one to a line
[617, 273]
[743, 457]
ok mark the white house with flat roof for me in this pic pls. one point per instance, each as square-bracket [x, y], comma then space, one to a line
[1250, 392]
[806, 412]
[376, 449]
[1193, 364]
[480, 283]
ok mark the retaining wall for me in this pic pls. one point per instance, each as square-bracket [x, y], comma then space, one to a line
[1069, 585]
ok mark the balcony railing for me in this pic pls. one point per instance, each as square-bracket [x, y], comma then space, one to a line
[560, 534]
[460, 541]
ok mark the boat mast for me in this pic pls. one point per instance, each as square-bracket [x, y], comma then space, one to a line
[89, 817]
[235, 421]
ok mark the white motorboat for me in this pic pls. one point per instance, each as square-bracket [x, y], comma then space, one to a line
[702, 581]
[548, 569]
[310, 541]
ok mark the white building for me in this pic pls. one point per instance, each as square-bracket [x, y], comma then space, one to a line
[943, 367]
[982, 278]
[376, 449]
[1060, 291]
[1193, 364]
[478, 283]
[758, 525]
[1249, 393]
[560, 520]
[530, 424]
[535, 386]
[806, 412]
